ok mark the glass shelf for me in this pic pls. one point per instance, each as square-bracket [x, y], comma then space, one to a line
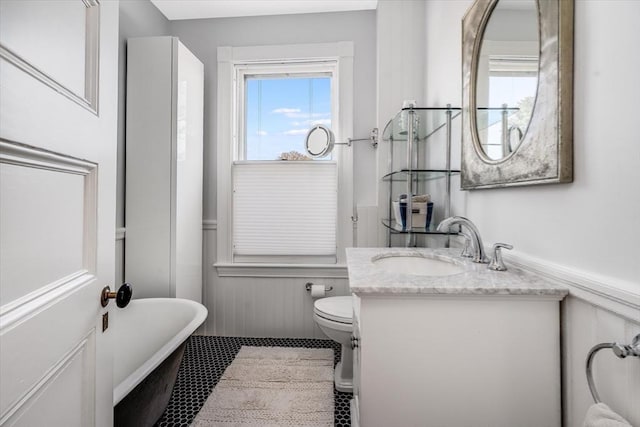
[489, 116]
[397, 229]
[419, 174]
[436, 124]
[426, 122]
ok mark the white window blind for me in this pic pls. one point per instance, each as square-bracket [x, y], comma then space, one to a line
[285, 208]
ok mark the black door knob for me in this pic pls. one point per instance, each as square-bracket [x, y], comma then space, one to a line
[122, 297]
[125, 292]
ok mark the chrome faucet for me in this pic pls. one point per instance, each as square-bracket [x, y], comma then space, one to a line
[477, 247]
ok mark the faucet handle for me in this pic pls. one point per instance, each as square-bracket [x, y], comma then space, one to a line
[467, 251]
[496, 260]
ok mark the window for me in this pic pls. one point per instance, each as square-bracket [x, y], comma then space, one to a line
[276, 187]
[280, 109]
[513, 81]
[277, 205]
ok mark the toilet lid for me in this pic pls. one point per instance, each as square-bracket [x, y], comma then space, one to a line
[338, 309]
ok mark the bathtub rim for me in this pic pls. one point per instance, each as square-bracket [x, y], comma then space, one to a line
[133, 379]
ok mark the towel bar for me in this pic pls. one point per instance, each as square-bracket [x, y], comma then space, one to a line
[620, 350]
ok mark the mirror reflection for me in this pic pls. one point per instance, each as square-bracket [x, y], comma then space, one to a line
[507, 77]
[319, 141]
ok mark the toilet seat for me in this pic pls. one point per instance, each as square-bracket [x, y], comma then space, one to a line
[335, 309]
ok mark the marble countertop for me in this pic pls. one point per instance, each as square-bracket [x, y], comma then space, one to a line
[368, 278]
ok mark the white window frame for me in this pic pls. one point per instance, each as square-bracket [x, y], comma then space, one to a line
[298, 68]
[232, 64]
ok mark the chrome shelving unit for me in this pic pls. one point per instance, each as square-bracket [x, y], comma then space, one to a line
[409, 130]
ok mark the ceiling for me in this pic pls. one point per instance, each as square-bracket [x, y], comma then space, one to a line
[200, 9]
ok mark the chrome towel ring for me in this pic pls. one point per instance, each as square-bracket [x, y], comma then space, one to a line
[620, 350]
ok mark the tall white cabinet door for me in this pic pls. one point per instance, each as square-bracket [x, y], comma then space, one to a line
[58, 113]
[163, 248]
[189, 157]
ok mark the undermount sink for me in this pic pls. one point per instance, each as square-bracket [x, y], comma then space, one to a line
[416, 265]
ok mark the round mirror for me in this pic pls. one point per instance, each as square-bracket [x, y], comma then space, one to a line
[319, 141]
[507, 77]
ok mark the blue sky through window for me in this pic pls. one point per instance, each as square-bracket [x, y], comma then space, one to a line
[280, 111]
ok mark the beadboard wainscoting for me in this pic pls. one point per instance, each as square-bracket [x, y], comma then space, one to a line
[597, 310]
[617, 380]
[262, 301]
[265, 307]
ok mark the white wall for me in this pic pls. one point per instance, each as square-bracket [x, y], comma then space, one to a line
[203, 36]
[400, 32]
[565, 223]
[587, 230]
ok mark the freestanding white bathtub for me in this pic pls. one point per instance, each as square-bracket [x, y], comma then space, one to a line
[149, 339]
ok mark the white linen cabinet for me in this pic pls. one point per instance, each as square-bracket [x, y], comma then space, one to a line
[163, 203]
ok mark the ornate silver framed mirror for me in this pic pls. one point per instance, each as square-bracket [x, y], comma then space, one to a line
[517, 81]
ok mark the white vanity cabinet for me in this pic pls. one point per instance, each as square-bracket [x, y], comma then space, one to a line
[163, 242]
[447, 355]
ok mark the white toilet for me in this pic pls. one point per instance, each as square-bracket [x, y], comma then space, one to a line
[334, 315]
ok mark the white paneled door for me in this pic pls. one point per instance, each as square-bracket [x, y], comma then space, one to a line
[58, 109]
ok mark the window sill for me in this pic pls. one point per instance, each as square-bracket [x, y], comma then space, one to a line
[334, 271]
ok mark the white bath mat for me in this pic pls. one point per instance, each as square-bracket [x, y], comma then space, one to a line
[273, 386]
